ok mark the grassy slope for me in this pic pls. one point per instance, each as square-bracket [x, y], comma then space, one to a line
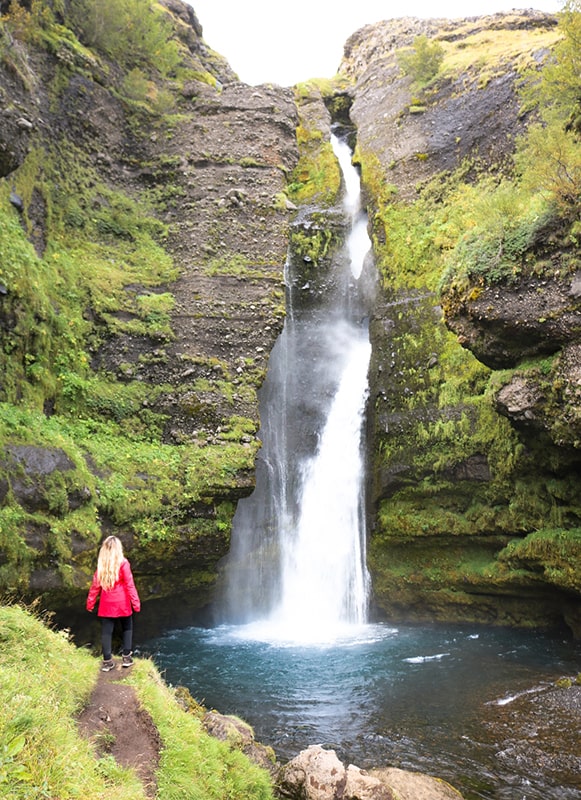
[45, 681]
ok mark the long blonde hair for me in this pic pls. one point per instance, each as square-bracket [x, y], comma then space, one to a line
[109, 562]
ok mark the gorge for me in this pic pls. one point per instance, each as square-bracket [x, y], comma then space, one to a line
[298, 554]
[181, 207]
[166, 231]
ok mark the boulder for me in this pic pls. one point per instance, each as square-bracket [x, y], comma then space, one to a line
[415, 786]
[318, 774]
[240, 736]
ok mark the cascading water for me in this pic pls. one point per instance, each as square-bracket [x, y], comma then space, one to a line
[358, 244]
[324, 579]
[297, 561]
[304, 671]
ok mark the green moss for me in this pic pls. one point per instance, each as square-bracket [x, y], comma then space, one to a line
[550, 555]
[97, 243]
[235, 264]
[317, 176]
[312, 244]
[147, 487]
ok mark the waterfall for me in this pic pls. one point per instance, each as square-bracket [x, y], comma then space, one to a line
[297, 564]
[324, 580]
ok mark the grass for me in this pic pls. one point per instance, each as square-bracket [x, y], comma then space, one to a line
[44, 683]
[491, 50]
[193, 764]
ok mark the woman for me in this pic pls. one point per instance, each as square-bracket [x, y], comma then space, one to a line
[113, 581]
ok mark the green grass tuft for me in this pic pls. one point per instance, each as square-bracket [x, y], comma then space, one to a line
[45, 681]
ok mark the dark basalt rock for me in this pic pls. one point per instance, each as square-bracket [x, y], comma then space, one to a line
[30, 470]
[507, 323]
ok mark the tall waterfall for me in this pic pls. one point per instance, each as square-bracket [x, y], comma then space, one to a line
[297, 562]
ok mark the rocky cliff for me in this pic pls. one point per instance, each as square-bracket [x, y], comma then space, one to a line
[166, 190]
[145, 222]
[475, 458]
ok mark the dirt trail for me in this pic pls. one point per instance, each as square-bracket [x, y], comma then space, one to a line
[118, 726]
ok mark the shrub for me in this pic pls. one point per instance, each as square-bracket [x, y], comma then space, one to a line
[132, 32]
[422, 61]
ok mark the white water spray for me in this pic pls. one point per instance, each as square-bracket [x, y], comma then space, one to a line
[324, 580]
[297, 565]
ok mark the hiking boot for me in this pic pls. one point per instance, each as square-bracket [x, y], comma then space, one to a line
[107, 666]
[127, 661]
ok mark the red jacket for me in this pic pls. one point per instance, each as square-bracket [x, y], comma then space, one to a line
[118, 601]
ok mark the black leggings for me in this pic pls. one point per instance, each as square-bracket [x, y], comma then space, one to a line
[107, 628]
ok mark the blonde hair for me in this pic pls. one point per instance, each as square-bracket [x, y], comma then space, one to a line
[109, 562]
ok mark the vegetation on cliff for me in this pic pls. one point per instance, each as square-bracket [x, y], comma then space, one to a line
[88, 438]
[317, 177]
[454, 478]
[136, 308]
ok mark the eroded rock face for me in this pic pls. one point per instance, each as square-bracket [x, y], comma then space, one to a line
[416, 138]
[548, 402]
[227, 161]
[446, 470]
[20, 118]
[213, 169]
[508, 323]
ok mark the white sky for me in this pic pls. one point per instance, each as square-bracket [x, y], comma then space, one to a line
[266, 41]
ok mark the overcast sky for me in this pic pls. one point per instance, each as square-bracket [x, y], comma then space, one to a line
[273, 42]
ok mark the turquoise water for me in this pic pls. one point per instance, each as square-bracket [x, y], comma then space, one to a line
[411, 697]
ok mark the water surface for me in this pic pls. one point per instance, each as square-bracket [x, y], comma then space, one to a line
[413, 697]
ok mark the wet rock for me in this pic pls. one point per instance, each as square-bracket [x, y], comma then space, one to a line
[473, 468]
[317, 774]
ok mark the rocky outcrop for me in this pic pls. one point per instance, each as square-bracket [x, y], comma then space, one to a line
[448, 473]
[506, 323]
[239, 736]
[317, 774]
[471, 112]
[227, 162]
